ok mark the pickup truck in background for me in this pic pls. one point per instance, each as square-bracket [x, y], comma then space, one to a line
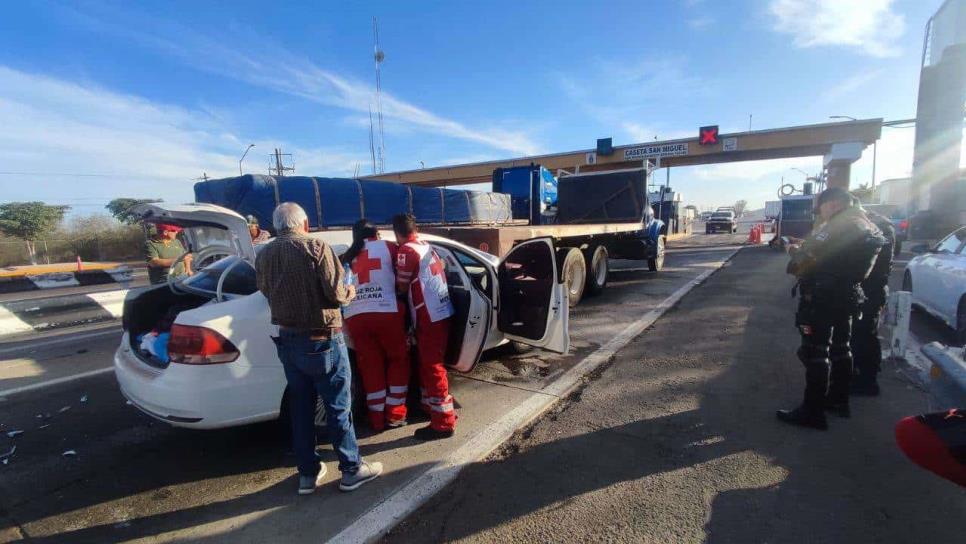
[721, 222]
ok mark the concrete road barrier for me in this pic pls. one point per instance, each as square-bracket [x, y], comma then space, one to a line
[947, 377]
[54, 280]
[24, 316]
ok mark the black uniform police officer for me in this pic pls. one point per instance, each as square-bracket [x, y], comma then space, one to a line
[866, 350]
[830, 265]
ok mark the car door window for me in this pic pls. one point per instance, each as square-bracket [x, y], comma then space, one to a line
[952, 243]
[477, 271]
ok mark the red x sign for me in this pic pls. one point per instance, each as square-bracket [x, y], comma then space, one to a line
[708, 135]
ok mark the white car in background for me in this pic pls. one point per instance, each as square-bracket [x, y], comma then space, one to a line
[937, 280]
[222, 369]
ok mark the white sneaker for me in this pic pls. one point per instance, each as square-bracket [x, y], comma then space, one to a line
[366, 473]
[307, 484]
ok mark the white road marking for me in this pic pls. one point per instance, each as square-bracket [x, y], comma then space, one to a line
[44, 342]
[57, 381]
[11, 324]
[384, 515]
[112, 301]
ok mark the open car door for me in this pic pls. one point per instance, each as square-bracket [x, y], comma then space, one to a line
[471, 320]
[532, 302]
[207, 228]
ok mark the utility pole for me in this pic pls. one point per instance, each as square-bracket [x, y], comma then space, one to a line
[279, 167]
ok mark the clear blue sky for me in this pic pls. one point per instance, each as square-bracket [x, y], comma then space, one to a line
[107, 99]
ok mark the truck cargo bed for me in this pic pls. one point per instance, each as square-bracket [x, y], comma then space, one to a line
[499, 239]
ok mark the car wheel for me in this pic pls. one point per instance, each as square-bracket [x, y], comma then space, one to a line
[574, 274]
[595, 260]
[657, 263]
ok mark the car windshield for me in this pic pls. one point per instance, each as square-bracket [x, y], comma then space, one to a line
[721, 216]
[239, 281]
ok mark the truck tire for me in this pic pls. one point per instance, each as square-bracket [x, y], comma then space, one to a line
[573, 273]
[595, 260]
[657, 262]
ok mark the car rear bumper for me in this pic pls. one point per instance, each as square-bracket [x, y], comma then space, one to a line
[200, 396]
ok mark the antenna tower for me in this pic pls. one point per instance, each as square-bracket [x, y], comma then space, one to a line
[379, 56]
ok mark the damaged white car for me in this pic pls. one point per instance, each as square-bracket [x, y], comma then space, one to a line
[197, 352]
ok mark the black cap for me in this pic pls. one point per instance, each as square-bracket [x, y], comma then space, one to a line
[834, 194]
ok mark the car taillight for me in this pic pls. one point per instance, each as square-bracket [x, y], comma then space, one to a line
[904, 224]
[191, 345]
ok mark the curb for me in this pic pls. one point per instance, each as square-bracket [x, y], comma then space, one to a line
[383, 516]
[23, 316]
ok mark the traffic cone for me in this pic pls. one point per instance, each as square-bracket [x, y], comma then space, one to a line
[751, 235]
[80, 265]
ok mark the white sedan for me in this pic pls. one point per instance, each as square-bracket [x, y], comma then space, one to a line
[218, 366]
[937, 280]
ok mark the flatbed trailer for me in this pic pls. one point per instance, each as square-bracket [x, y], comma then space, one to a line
[583, 249]
[597, 216]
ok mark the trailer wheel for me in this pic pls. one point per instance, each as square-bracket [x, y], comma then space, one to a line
[595, 260]
[657, 262]
[573, 272]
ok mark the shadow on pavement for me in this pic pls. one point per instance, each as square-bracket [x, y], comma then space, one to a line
[717, 366]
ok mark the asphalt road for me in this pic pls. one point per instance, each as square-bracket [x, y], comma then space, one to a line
[677, 441]
[133, 478]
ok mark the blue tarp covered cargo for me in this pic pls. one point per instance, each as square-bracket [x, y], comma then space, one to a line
[339, 202]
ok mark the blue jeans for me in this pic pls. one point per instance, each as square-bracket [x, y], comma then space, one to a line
[319, 367]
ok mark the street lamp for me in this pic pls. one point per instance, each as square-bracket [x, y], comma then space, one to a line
[849, 117]
[250, 146]
[807, 175]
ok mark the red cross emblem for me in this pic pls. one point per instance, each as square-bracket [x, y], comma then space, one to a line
[708, 135]
[362, 265]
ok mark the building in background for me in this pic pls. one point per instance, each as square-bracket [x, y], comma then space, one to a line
[893, 191]
[938, 192]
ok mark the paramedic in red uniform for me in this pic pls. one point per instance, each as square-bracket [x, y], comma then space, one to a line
[421, 278]
[377, 325]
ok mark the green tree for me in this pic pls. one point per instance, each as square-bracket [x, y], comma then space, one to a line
[120, 208]
[29, 221]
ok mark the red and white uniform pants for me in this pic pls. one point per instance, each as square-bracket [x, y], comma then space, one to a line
[382, 356]
[431, 340]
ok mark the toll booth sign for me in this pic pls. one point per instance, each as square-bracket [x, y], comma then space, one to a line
[708, 135]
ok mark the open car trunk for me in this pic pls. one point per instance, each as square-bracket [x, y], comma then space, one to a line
[155, 310]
